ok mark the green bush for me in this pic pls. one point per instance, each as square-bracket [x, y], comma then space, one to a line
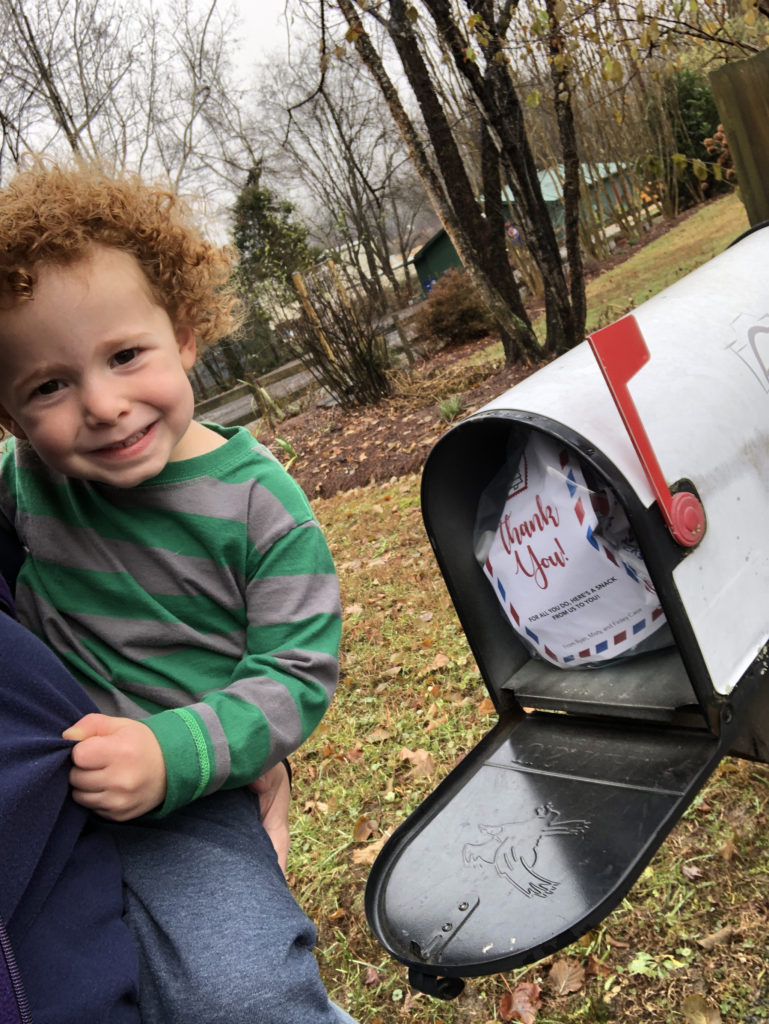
[688, 107]
[453, 313]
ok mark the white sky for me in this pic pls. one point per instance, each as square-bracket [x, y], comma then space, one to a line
[263, 29]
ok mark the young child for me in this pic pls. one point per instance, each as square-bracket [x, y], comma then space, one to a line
[178, 573]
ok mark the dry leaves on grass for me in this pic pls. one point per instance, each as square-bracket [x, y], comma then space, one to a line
[364, 829]
[697, 1011]
[723, 935]
[378, 735]
[422, 761]
[367, 854]
[522, 1004]
[371, 976]
[566, 976]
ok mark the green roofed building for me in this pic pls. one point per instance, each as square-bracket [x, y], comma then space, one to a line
[607, 185]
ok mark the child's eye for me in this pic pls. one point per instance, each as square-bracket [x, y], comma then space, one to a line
[126, 355]
[48, 388]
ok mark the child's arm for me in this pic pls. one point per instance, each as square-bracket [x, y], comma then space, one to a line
[119, 772]
[274, 792]
[119, 769]
[278, 690]
[277, 693]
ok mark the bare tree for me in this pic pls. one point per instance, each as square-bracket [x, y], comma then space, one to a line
[477, 238]
[154, 90]
[61, 66]
[351, 163]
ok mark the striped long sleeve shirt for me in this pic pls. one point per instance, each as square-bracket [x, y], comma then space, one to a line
[203, 602]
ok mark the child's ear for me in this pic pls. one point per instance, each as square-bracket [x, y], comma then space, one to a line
[9, 424]
[188, 349]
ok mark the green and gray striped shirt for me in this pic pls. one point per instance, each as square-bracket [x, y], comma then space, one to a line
[203, 602]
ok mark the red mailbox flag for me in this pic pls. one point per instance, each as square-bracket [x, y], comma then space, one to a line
[621, 352]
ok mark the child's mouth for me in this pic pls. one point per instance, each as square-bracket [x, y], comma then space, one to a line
[119, 447]
[128, 441]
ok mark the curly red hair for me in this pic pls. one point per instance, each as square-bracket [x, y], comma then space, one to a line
[55, 214]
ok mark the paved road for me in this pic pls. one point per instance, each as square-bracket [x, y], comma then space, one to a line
[241, 410]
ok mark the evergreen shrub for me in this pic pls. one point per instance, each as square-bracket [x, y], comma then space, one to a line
[452, 313]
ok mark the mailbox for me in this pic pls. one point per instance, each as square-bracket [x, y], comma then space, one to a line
[542, 828]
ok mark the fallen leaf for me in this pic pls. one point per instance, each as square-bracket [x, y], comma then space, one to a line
[598, 968]
[410, 1000]
[378, 735]
[436, 722]
[486, 707]
[364, 828]
[691, 871]
[521, 1004]
[366, 855]
[353, 609]
[336, 915]
[716, 938]
[371, 976]
[617, 942]
[439, 661]
[697, 1011]
[566, 976]
[424, 765]
[728, 851]
[313, 806]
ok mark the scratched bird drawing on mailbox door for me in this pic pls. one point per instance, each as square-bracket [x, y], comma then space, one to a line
[512, 848]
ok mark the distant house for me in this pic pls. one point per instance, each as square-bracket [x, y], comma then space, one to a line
[606, 184]
[435, 257]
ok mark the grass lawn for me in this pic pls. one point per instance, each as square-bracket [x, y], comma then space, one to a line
[690, 942]
[700, 236]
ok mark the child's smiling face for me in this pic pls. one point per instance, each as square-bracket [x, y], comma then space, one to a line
[94, 374]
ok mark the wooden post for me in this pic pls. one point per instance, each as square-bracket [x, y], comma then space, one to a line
[741, 91]
[313, 317]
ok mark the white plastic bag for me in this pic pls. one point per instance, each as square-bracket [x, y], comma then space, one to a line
[563, 561]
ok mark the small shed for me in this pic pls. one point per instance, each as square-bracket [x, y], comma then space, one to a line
[606, 184]
[435, 257]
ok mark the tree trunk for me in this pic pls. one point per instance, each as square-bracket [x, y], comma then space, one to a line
[496, 248]
[571, 166]
[454, 222]
[498, 104]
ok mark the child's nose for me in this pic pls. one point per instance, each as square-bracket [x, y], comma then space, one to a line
[102, 403]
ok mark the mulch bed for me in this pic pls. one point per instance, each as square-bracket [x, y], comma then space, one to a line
[338, 451]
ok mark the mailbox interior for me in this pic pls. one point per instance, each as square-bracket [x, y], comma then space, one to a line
[540, 830]
[671, 685]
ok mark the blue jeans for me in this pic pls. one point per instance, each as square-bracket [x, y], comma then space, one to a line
[220, 937]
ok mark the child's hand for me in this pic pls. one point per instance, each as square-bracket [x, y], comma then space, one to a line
[119, 768]
[274, 794]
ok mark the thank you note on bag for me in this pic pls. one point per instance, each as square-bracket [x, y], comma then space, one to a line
[564, 564]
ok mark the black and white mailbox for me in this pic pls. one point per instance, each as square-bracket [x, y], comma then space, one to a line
[602, 530]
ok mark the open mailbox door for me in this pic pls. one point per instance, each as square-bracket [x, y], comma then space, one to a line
[542, 829]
